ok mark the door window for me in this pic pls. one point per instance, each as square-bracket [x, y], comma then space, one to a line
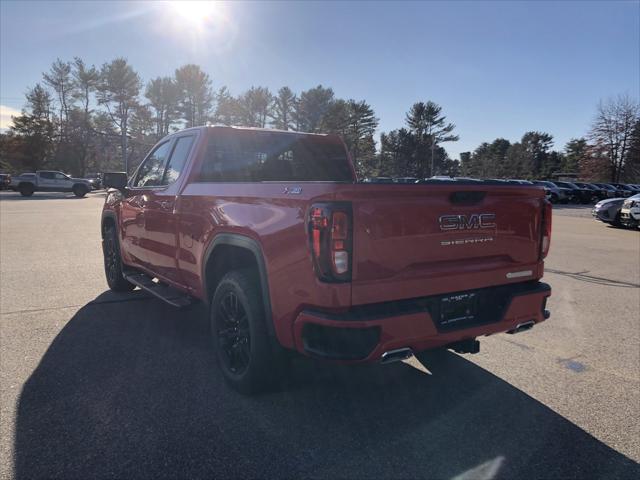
[151, 171]
[178, 159]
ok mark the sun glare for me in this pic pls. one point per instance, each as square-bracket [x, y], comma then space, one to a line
[197, 13]
[196, 23]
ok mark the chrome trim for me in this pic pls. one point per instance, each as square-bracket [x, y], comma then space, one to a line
[522, 327]
[396, 355]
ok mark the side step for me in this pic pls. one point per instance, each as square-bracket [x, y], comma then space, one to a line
[173, 297]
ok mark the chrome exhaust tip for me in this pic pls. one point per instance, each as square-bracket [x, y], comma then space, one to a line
[396, 355]
[522, 327]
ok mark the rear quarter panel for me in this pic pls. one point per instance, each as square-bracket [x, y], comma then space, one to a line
[277, 222]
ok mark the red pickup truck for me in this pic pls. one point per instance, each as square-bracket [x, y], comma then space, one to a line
[273, 232]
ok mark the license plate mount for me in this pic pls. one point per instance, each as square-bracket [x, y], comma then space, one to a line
[458, 308]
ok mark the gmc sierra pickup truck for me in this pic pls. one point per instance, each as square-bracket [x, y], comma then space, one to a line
[290, 253]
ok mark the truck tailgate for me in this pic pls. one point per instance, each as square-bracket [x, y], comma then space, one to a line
[418, 240]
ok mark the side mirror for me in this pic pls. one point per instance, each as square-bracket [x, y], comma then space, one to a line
[117, 180]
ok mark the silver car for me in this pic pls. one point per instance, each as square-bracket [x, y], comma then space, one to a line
[608, 211]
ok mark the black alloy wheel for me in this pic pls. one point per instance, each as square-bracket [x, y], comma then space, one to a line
[234, 338]
[251, 359]
[113, 262]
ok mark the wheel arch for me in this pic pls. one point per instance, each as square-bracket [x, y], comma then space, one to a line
[108, 218]
[230, 251]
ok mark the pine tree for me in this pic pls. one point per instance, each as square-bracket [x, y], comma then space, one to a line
[162, 93]
[195, 97]
[118, 92]
[86, 81]
[311, 108]
[36, 126]
[430, 128]
[283, 109]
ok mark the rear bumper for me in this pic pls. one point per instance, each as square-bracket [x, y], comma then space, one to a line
[364, 333]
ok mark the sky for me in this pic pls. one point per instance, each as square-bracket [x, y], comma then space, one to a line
[497, 68]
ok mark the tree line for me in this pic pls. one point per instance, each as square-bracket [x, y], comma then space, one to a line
[609, 152]
[81, 118]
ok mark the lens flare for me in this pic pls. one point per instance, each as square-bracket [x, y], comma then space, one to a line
[196, 13]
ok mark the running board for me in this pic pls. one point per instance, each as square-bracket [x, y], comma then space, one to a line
[168, 294]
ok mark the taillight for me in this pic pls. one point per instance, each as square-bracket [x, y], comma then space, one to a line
[330, 239]
[545, 242]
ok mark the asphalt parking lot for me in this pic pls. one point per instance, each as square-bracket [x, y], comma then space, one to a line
[99, 385]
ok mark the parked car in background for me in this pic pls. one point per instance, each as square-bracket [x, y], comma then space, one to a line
[555, 193]
[630, 211]
[612, 192]
[598, 193]
[520, 182]
[609, 190]
[608, 211]
[405, 180]
[51, 181]
[95, 179]
[622, 189]
[578, 195]
[5, 181]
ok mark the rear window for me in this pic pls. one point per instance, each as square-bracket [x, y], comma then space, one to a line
[250, 156]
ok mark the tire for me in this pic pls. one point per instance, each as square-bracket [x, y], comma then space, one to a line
[249, 358]
[80, 190]
[554, 198]
[26, 189]
[113, 262]
[617, 222]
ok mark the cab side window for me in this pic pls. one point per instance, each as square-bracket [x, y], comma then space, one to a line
[178, 159]
[151, 172]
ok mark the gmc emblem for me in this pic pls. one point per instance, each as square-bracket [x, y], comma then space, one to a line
[467, 222]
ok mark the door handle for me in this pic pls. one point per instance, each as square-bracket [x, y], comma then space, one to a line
[165, 204]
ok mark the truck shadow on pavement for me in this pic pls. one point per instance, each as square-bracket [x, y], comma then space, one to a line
[129, 389]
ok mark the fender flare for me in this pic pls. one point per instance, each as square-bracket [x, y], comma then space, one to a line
[248, 243]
